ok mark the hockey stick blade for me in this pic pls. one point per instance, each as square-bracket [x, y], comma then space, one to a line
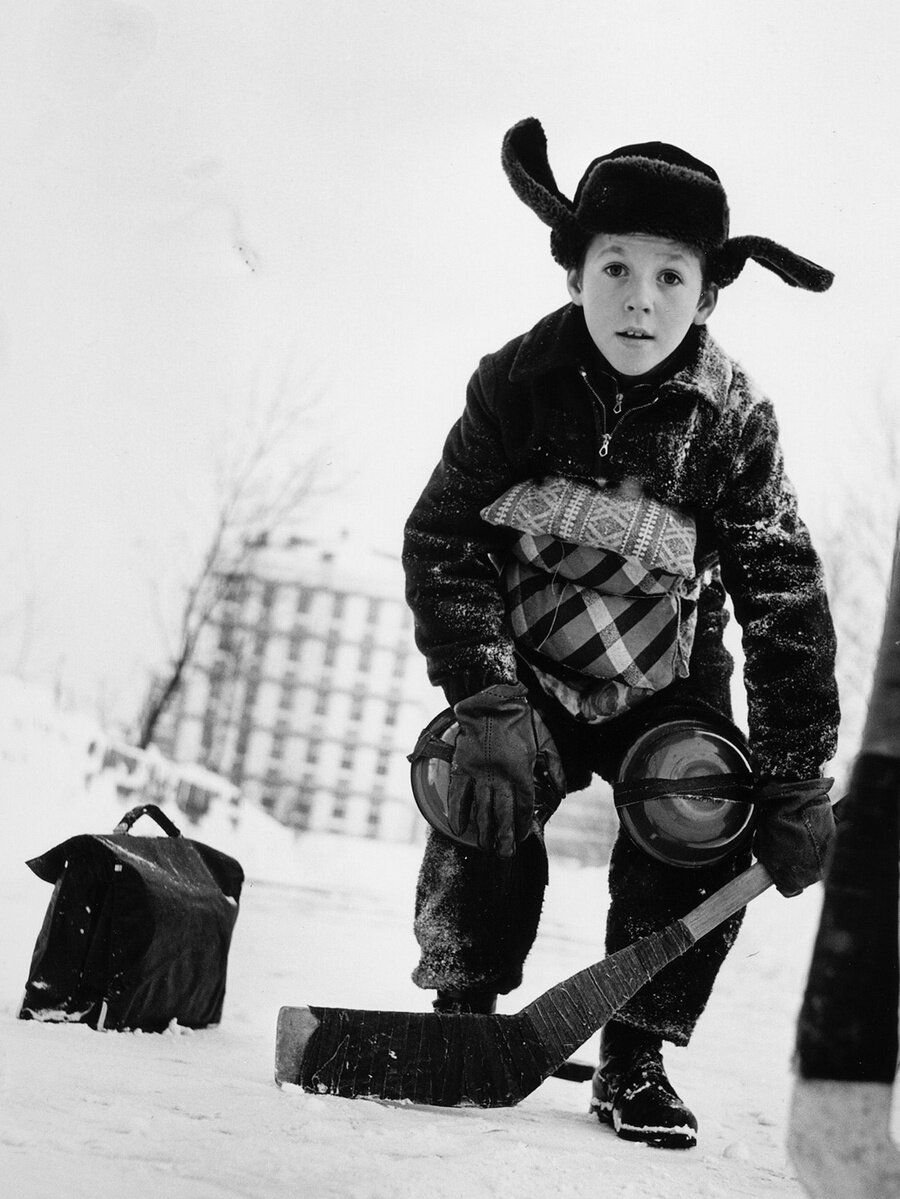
[478, 1060]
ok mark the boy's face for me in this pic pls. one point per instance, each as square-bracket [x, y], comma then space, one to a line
[640, 295]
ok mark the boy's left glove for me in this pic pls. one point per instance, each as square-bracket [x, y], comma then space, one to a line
[794, 831]
[492, 775]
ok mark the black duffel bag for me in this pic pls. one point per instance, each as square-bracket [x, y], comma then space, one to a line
[137, 931]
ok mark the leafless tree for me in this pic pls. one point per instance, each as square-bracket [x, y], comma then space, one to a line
[264, 480]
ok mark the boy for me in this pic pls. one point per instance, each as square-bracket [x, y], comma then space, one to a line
[612, 476]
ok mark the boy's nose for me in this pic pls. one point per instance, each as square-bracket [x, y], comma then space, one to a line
[638, 298]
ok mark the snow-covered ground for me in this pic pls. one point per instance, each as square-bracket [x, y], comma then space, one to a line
[196, 1115]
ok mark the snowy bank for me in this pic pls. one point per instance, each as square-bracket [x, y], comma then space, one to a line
[327, 920]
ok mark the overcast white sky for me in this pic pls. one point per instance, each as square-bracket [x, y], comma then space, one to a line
[196, 195]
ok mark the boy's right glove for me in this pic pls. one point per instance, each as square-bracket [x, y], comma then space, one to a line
[492, 774]
[794, 831]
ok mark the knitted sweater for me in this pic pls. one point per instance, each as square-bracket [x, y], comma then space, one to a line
[707, 443]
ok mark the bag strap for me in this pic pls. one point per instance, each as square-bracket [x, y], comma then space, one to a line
[430, 745]
[147, 809]
[719, 786]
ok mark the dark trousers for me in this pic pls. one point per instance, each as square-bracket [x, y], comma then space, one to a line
[477, 915]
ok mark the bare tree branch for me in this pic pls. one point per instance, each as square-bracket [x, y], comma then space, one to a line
[264, 479]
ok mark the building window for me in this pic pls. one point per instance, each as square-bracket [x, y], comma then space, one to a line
[240, 747]
[267, 600]
[272, 783]
[288, 690]
[298, 816]
[279, 736]
[356, 706]
[365, 657]
[234, 588]
[341, 792]
[347, 757]
[321, 703]
[373, 610]
[304, 600]
[373, 821]
[251, 690]
[331, 647]
[227, 642]
[294, 645]
[302, 807]
[312, 751]
[216, 682]
[390, 715]
[340, 603]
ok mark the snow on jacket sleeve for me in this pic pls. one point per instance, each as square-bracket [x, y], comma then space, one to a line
[775, 580]
[711, 665]
[451, 583]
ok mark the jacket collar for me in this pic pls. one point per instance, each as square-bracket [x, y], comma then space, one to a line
[554, 342]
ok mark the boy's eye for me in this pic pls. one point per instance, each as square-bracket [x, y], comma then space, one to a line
[615, 270]
[670, 278]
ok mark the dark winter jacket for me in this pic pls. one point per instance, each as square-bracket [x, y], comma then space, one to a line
[708, 443]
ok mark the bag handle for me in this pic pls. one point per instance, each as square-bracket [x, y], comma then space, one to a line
[148, 809]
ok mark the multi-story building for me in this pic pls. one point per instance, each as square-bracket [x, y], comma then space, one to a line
[307, 691]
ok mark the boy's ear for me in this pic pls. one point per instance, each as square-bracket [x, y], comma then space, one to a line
[573, 282]
[707, 304]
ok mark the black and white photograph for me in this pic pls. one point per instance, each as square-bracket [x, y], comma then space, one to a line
[449, 599]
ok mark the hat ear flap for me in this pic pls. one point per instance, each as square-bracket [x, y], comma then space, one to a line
[792, 268]
[524, 158]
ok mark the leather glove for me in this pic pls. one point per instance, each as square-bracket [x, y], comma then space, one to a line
[492, 774]
[794, 831]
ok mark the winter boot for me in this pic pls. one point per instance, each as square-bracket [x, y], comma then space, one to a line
[633, 1094]
[464, 1002]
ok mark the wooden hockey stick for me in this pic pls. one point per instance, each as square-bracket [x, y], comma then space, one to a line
[477, 1060]
[847, 1038]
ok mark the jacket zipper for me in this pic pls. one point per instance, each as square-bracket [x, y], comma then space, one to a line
[618, 401]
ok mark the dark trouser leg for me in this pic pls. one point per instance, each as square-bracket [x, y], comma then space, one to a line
[645, 895]
[477, 915]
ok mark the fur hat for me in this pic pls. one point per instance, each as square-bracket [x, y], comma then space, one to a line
[649, 188]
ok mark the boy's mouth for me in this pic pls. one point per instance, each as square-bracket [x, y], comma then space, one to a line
[635, 334]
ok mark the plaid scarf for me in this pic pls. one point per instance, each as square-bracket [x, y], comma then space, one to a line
[600, 584]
